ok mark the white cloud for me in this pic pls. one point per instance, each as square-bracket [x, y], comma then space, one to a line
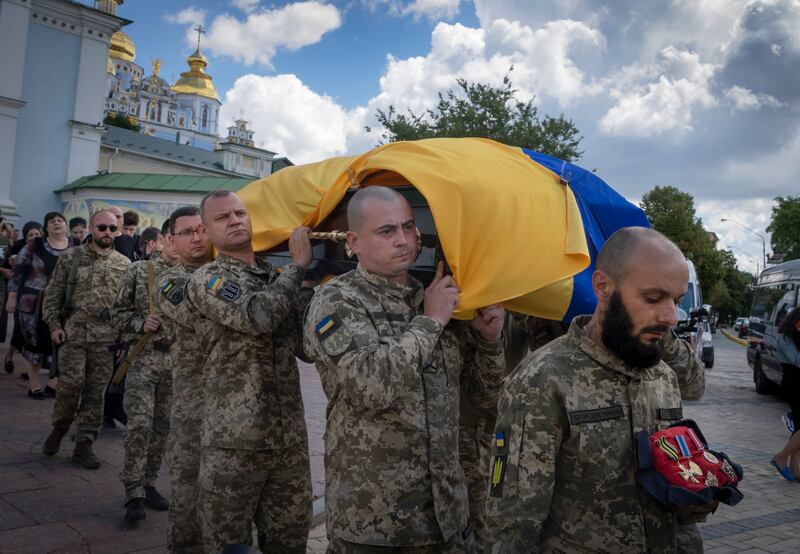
[247, 6]
[189, 16]
[288, 117]
[258, 37]
[745, 100]
[433, 9]
[683, 85]
[745, 246]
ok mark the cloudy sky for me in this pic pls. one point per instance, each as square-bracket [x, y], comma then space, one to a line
[699, 94]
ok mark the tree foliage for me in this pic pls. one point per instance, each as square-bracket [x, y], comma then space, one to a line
[785, 227]
[121, 120]
[481, 110]
[671, 211]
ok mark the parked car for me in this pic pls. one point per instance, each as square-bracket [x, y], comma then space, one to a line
[775, 294]
[738, 323]
[744, 326]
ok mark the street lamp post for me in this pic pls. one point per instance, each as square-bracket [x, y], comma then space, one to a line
[763, 240]
[758, 270]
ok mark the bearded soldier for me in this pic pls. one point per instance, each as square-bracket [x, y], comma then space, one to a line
[562, 477]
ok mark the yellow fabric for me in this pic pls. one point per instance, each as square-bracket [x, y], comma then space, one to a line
[510, 231]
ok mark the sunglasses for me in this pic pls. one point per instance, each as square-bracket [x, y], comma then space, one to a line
[103, 228]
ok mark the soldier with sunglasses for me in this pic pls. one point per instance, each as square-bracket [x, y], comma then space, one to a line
[84, 331]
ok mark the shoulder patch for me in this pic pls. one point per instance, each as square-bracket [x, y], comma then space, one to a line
[172, 292]
[333, 335]
[225, 290]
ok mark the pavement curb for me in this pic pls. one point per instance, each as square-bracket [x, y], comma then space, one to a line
[734, 339]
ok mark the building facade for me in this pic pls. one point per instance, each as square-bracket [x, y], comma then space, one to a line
[52, 78]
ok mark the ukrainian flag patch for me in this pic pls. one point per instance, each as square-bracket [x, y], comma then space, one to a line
[214, 283]
[325, 325]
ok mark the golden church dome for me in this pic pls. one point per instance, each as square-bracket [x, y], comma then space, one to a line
[196, 80]
[122, 47]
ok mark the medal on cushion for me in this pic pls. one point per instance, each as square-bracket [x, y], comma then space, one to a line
[726, 467]
[691, 472]
[711, 479]
[710, 457]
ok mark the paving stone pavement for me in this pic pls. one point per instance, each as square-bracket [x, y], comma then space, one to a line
[48, 505]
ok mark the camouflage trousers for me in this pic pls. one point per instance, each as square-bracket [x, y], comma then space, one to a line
[182, 455]
[85, 369]
[148, 394]
[456, 545]
[475, 454]
[269, 487]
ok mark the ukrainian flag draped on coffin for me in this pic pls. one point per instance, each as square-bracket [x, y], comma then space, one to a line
[511, 228]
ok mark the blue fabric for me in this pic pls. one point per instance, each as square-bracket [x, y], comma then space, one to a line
[603, 211]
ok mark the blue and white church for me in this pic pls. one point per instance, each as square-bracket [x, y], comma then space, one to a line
[58, 148]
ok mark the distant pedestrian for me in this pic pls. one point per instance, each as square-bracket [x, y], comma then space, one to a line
[34, 265]
[30, 231]
[77, 308]
[77, 230]
[787, 461]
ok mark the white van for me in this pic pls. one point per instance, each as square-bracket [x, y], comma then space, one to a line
[700, 338]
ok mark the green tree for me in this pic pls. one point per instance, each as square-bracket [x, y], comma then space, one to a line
[785, 227]
[481, 110]
[121, 120]
[671, 211]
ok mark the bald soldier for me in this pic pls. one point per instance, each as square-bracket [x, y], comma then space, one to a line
[254, 464]
[391, 361]
[563, 471]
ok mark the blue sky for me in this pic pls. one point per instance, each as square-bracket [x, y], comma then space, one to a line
[702, 95]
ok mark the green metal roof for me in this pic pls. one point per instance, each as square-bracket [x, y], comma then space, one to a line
[152, 182]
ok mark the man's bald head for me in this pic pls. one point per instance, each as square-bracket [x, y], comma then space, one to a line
[356, 209]
[629, 247]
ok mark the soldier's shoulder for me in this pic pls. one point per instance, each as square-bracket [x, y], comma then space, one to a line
[337, 289]
[119, 259]
[559, 360]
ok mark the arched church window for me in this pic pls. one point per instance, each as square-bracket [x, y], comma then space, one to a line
[204, 120]
[182, 120]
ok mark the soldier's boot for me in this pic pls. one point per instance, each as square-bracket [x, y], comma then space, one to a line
[134, 509]
[53, 441]
[83, 455]
[154, 499]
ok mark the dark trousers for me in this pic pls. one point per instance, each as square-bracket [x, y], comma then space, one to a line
[790, 389]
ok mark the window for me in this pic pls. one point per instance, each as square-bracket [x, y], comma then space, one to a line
[765, 300]
[204, 119]
[786, 303]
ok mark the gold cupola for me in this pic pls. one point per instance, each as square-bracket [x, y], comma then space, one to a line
[122, 47]
[196, 80]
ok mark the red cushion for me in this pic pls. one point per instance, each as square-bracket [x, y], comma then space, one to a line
[682, 459]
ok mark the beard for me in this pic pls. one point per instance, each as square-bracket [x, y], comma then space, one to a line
[103, 242]
[616, 334]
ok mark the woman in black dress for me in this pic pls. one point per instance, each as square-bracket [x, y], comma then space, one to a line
[34, 265]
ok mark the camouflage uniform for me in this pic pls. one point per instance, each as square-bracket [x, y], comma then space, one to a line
[182, 454]
[392, 377]
[148, 384]
[254, 465]
[84, 360]
[476, 428]
[563, 472]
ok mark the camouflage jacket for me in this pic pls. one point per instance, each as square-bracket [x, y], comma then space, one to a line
[392, 376]
[253, 399]
[98, 280]
[180, 323]
[678, 355]
[132, 304]
[563, 471]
